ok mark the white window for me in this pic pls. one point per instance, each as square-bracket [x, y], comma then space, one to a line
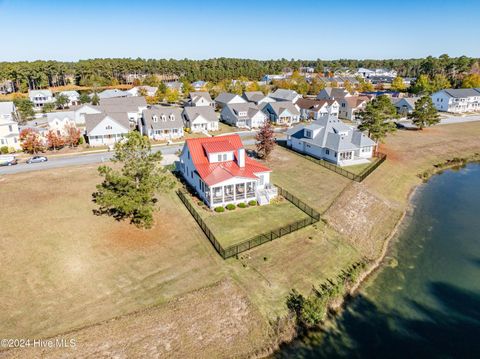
[164, 118]
[172, 118]
[155, 118]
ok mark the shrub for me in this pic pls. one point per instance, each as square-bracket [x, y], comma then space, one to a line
[252, 203]
[219, 209]
[4, 150]
[242, 205]
[231, 206]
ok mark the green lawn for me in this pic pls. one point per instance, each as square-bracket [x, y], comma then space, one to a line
[231, 227]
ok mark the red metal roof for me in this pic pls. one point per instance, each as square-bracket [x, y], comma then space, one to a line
[213, 173]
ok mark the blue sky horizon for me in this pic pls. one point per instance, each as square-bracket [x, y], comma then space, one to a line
[372, 29]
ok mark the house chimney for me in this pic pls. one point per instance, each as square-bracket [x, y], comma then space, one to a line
[241, 157]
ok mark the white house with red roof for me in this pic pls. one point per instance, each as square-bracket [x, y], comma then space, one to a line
[221, 172]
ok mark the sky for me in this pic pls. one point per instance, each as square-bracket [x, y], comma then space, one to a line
[201, 29]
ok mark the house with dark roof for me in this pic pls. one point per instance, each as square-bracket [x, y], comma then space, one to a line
[457, 100]
[243, 115]
[105, 129]
[132, 106]
[200, 119]
[404, 105]
[332, 140]
[220, 171]
[282, 112]
[226, 98]
[285, 95]
[201, 98]
[312, 109]
[257, 97]
[162, 123]
[333, 93]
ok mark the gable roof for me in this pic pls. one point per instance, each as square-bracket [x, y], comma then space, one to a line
[213, 173]
[160, 111]
[207, 112]
[284, 95]
[279, 107]
[226, 97]
[69, 93]
[122, 104]
[311, 104]
[45, 93]
[248, 108]
[462, 93]
[113, 93]
[92, 120]
[61, 115]
[196, 95]
[333, 93]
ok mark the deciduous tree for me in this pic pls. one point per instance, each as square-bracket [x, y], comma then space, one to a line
[24, 108]
[54, 141]
[129, 192]
[84, 98]
[61, 101]
[72, 135]
[265, 140]
[425, 114]
[471, 81]
[48, 107]
[398, 84]
[30, 141]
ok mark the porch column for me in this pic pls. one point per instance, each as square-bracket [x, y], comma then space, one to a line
[223, 194]
[245, 191]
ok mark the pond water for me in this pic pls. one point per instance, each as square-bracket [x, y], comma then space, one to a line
[425, 302]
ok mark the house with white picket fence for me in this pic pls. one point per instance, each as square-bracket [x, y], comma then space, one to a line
[221, 173]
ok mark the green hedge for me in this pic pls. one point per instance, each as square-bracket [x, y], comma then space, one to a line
[219, 209]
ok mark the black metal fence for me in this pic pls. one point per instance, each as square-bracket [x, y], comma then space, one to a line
[381, 157]
[233, 250]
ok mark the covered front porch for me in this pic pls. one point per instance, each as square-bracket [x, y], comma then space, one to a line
[349, 158]
[231, 193]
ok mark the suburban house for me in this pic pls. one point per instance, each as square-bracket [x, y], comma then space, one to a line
[59, 122]
[405, 105]
[311, 109]
[111, 93]
[200, 99]
[282, 113]
[9, 132]
[175, 85]
[457, 100]
[148, 90]
[226, 98]
[331, 140]
[198, 85]
[40, 97]
[269, 78]
[257, 97]
[221, 173]
[105, 129]
[72, 96]
[162, 123]
[368, 73]
[133, 106]
[243, 115]
[200, 118]
[285, 95]
[82, 110]
[333, 93]
[350, 107]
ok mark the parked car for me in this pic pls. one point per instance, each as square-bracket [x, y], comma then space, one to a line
[8, 160]
[37, 159]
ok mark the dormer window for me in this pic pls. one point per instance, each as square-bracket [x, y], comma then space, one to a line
[155, 118]
[164, 118]
[172, 117]
[308, 133]
[108, 127]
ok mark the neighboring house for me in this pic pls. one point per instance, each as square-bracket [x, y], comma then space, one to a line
[350, 107]
[133, 106]
[282, 113]
[72, 96]
[269, 78]
[9, 132]
[198, 85]
[226, 98]
[162, 123]
[405, 105]
[243, 115]
[457, 100]
[368, 73]
[200, 99]
[333, 93]
[40, 97]
[82, 110]
[221, 172]
[149, 90]
[58, 122]
[105, 129]
[331, 140]
[285, 95]
[200, 118]
[311, 109]
[112, 94]
[257, 97]
[175, 85]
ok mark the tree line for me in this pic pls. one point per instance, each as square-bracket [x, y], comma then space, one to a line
[101, 72]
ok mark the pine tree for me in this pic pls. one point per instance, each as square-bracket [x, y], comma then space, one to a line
[265, 140]
[377, 118]
[425, 114]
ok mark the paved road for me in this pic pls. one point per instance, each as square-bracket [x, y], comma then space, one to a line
[86, 159]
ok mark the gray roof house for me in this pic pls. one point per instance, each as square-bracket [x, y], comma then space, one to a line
[132, 106]
[201, 98]
[333, 93]
[256, 97]
[105, 129]
[405, 105]
[110, 93]
[162, 122]
[226, 98]
[457, 100]
[200, 118]
[332, 140]
[243, 115]
[285, 95]
[282, 112]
